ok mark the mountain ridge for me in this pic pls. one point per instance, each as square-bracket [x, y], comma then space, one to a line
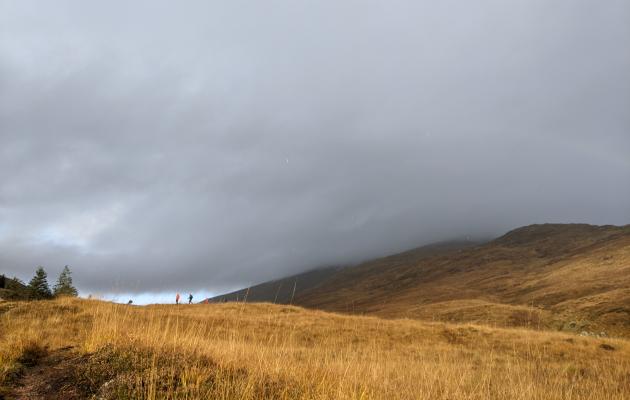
[556, 276]
[280, 291]
[572, 277]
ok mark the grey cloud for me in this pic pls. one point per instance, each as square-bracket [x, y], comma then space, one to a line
[210, 145]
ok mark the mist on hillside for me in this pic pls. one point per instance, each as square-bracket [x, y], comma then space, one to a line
[204, 147]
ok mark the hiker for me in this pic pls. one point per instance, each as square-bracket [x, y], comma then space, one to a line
[177, 298]
[190, 297]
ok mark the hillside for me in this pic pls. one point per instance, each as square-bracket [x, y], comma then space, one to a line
[285, 290]
[12, 289]
[280, 291]
[74, 349]
[571, 277]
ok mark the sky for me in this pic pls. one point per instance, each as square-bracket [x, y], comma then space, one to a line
[201, 146]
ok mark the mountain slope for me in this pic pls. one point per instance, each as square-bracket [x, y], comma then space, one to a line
[280, 291]
[12, 289]
[284, 290]
[559, 276]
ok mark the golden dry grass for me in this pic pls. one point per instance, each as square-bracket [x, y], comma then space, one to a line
[254, 351]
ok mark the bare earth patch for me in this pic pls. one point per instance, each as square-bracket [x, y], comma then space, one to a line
[52, 378]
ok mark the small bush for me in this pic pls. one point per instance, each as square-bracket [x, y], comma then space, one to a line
[31, 354]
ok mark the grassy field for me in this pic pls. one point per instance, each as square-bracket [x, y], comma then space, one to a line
[80, 348]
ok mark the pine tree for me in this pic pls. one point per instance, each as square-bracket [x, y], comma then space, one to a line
[64, 285]
[38, 286]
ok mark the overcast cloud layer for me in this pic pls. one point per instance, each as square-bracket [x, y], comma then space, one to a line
[157, 146]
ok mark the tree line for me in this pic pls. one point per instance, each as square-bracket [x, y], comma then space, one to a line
[38, 287]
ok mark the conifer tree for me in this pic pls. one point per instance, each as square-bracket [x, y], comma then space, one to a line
[64, 286]
[38, 286]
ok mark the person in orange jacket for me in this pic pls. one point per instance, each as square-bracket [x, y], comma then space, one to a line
[177, 298]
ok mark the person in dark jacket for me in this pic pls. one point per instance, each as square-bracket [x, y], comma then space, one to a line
[190, 297]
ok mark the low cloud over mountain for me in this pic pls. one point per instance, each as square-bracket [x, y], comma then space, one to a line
[155, 146]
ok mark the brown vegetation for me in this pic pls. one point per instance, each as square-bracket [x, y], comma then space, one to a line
[264, 351]
[563, 277]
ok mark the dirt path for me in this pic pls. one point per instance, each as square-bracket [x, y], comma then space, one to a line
[51, 379]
